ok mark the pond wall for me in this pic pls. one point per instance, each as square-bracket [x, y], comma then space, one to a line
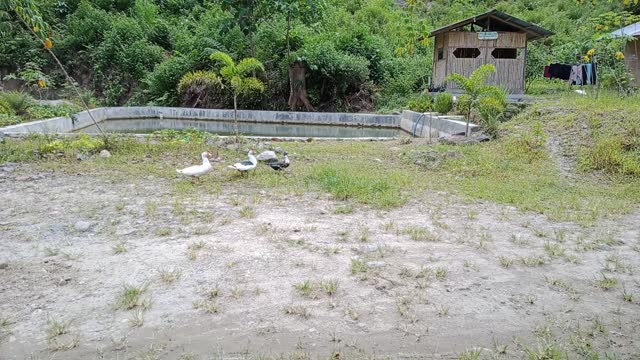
[414, 123]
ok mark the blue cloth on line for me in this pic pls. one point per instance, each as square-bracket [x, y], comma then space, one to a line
[588, 71]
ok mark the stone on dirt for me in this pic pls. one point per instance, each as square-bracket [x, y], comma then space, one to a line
[376, 264]
[105, 154]
[83, 226]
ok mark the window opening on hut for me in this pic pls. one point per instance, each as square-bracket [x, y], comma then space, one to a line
[466, 53]
[505, 53]
[440, 53]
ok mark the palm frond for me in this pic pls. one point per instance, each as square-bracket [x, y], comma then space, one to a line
[459, 80]
[225, 59]
[249, 66]
[481, 74]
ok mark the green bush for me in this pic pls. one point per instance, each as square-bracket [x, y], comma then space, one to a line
[8, 119]
[443, 103]
[86, 27]
[17, 102]
[201, 89]
[163, 80]
[420, 104]
[37, 112]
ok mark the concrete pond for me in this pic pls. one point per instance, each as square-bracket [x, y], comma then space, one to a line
[140, 120]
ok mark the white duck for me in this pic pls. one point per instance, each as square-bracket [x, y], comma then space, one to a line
[198, 170]
[246, 165]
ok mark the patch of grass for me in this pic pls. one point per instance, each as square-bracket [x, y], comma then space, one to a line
[343, 210]
[163, 231]
[358, 266]
[519, 240]
[330, 287]
[130, 297]
[119, 248]
[532, 261]
[470, 354]
[367, 183]
[56, 327]
[343, 235]
[214, 293]
[137, 317]
[389, 226]
[554, 250]
[364, 234]
[627, 296]
[441, 273]
[417, 233]
[170, 276]
[247, 212]
[150, 208]
[202, 230]
[298, 310]
[197, 245]
[208, 306]
[236, 292]
[304, 288]
[5, 328]
[51, 251]
[505, 262]
[607, 283]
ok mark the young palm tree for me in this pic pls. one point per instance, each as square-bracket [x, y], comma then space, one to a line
[239, 78]
[475, 87]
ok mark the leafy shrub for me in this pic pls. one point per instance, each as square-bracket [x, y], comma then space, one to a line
[491, 109]
[17, 102]
[81, 144]
[443, 103]
[37, 112]
[420, 104]
[163, 80]
[86, 27]
[5, 108]
[201, 88]
[8, 119]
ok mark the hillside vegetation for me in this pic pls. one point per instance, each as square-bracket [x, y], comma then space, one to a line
[359, 55]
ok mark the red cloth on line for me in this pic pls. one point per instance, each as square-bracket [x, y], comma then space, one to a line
[546, 72]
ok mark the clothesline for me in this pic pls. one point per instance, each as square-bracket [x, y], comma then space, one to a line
[580, 74]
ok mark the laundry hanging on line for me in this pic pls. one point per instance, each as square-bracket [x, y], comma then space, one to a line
[583, 74]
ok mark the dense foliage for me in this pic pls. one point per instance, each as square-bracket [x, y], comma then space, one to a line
[358, 53]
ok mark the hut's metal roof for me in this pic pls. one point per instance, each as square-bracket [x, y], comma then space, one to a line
[498, 21]
[631, 30]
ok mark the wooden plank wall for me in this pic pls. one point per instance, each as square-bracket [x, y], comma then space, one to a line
[632, 58]
[509, 72]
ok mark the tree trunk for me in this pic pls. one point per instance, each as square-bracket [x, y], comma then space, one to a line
[235, 115]
[298, 88]
[466, 131]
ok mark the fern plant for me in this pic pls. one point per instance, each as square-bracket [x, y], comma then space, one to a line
[475, 88]
[239, 78]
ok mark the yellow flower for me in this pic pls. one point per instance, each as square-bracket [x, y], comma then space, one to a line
[48, 43]
[598, 27]
[42, 83]
[619, 56]
[591, 52]
[586, 58]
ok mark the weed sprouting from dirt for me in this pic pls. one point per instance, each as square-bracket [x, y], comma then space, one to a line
[130, 297]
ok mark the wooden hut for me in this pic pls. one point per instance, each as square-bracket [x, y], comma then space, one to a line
[489, 38]
[632, 49]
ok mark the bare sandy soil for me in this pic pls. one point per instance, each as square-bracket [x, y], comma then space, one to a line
[223, 275]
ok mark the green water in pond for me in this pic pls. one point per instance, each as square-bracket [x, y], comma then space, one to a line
[145, 126]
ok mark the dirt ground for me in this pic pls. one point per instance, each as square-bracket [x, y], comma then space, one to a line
[244, 273]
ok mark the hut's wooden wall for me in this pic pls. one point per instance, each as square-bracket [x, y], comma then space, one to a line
[439, 66]
[632, 58]
[509, 72]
